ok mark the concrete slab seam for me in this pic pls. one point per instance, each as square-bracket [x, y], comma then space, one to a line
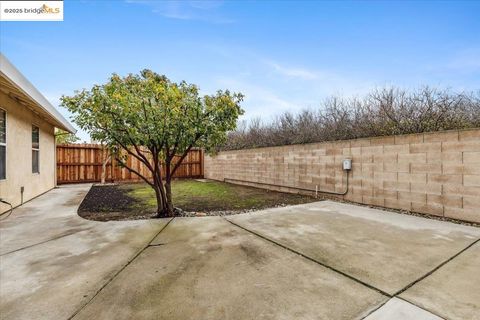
[436, 268]
[42, 242]
[396, 295]
[55, 238]
[156, 245]
[416, 305]
[120, 270]
[313, 260]
[376, 308]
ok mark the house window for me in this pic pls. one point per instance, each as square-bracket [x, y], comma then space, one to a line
[35, 149]
[3, 144]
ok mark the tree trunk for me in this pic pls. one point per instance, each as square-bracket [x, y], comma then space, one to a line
[168, 185]
[162, 211]
[168, 191]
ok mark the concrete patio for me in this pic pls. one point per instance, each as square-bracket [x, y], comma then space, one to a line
[322, 260]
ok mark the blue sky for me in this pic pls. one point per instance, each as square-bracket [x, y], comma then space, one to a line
[281, 55]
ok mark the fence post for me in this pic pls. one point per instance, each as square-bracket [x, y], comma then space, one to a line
[202, 158]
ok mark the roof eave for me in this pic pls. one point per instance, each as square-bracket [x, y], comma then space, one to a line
[10, 72]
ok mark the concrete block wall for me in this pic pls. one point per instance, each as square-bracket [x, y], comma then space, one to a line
[435, 173]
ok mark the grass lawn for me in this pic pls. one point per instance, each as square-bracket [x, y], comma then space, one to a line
[133, 201]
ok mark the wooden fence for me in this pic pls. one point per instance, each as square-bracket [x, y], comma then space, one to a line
[77, 163]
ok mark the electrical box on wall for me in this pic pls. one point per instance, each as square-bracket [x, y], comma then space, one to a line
[347, 164]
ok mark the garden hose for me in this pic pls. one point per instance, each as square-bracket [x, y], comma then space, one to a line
[7, 213]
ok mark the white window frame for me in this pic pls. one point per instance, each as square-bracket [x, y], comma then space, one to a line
[36, 149]
[5, 144]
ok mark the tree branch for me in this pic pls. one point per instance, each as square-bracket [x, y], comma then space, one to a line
[179, 162]
[134, 171]
[143, 159]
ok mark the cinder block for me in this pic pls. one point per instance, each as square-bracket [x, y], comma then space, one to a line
[444, 157]
[452, 168]
[413, 197]
[426, 168]
[355, 182]
[399, 148]
[355, 151]
[398, 204]
[373, 201]
[384, 193]
[409, 138]
[431, 188]
[385, 158]
[356, 166]
[471, 157]
[412, 158]
[461, 146]
[331, 167]
[318, 152]
[330, 181]
[397, 186]
[368, 192]
[396, 167]
[366, 176]
[471, 180]
[334, 151]
[429, 209]
[366, 158]
[440, 136]
[359, 143]
[339, 160]
[462, 214]
[430, 147]
[461, 190]
[368, 183]
[445, 178]
[323, 159]
[473, 134]
[339, 188]
[369, 167]
[381, 141]
[319, 166]
[412, 177]
[471, 203]
[372, 150]
[350, 196]
[390, 176]
[378, 183]
[453, 201]
[342, 144]
[467, 168]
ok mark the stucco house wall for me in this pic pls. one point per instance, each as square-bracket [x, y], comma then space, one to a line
[25, 107]
[19, 154]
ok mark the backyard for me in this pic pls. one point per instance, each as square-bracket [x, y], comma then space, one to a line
[198, 197]
[239, 160]
[320, 260]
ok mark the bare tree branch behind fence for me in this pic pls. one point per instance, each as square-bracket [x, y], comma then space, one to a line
[382, 112]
